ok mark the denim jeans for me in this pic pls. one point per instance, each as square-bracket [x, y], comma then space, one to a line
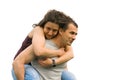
[66, 75]
[32, 74]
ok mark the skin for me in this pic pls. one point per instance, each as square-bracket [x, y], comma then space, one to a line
[67, 38]
[34, 50]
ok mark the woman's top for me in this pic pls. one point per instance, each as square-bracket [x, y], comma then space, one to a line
[25, 44]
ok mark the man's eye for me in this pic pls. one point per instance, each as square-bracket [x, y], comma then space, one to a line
[72, 33]
[48, 28]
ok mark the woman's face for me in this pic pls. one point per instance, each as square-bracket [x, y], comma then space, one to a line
[50, 30]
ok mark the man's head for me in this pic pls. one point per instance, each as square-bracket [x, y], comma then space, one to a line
[68, 32]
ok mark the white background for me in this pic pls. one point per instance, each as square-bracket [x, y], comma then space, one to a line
[97, 47]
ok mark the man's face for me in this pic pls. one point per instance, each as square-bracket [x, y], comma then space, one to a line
[50, 30]
[69, 35]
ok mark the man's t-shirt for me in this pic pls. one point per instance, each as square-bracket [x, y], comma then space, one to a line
[50, 73]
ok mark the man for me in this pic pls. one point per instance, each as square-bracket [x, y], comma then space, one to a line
[18, 59]
[66, 36]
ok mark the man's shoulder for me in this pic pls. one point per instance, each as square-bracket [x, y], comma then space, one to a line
[50, 44]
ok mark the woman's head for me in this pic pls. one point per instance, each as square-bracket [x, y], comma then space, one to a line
[50, 30]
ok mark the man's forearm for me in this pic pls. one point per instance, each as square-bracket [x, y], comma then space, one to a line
[67, 56]
[64, 58]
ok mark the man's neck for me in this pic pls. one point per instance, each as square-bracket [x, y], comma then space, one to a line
[58, 41]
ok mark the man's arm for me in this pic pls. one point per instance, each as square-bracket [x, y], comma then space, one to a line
[24, 57]
[62, 59]
[66, 57]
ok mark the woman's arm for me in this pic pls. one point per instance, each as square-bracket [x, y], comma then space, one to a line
[35, 49]
[38, 42]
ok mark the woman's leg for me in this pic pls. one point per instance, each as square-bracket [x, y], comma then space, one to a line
[30, 73]
[66, 75]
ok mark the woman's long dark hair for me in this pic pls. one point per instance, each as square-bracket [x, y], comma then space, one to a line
[56, 17]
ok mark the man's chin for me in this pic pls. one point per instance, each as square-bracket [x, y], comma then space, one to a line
[69, 44]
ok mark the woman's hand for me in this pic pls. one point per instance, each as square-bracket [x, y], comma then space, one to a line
[47, 62]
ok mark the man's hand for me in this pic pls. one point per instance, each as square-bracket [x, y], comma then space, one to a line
[45, 62]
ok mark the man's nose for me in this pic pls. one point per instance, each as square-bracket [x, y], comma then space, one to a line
[74, 37]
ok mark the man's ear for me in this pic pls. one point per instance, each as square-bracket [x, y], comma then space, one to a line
[60, 31]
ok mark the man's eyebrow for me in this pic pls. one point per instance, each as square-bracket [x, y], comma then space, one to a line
[73, 32]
